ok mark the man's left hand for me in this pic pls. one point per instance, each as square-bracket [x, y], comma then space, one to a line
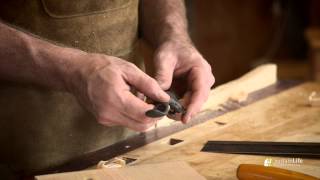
[181, 67]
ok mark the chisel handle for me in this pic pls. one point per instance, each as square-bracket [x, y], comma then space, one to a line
[254, 172]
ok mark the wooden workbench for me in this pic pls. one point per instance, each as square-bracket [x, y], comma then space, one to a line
[279, 112]
[283, 117]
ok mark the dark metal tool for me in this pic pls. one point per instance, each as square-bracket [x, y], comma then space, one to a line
[301, 149]
[162, 109]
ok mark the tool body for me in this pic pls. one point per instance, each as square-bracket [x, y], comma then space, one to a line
[170, 108]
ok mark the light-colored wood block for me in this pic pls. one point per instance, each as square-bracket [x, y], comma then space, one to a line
[161, 171]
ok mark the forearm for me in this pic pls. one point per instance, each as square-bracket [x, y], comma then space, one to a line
[27, 59]
[163, 20]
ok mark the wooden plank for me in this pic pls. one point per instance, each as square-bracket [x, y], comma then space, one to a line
[260, 78]
[168, 170]
[282, 117]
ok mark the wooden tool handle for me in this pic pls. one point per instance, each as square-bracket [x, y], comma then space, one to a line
[253, 172]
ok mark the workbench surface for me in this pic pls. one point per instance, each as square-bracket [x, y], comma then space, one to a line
[282, 117]
[272, 111]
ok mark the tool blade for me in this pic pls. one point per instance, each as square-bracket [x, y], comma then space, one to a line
[301, 149]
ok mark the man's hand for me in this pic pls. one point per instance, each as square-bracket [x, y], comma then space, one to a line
[101, 83]
[164, 25]
[104, 88]
[180, 66]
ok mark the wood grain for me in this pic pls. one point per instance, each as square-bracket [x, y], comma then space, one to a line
[254, 80]
[168, 170]
[282, 117]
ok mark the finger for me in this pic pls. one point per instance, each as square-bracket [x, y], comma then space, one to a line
[164, 70]
[200, 89]
[136, 125]
[136, 108]
[141, 127]
[141, 96]
[145, 84]
[130, 123]
[184, 103]
[197, 100]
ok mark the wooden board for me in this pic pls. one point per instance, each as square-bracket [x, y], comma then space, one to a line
[239, 89]
[253, 84]
[282, 117]
[168, 170]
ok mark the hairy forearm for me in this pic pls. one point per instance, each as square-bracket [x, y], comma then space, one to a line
[163, 20]
[27, 59]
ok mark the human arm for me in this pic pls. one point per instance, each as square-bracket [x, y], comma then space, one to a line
[178, 63]
[101, 83]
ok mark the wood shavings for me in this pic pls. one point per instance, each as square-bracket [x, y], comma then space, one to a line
[239, 97]
[113, 163]
[220, 108]
[314, 99]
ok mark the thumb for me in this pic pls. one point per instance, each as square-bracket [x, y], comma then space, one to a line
[164, 72]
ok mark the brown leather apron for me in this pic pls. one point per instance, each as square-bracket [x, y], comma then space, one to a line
[40, 128]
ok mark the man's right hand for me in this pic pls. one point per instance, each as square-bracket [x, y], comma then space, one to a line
[101, 83]
[103, 86]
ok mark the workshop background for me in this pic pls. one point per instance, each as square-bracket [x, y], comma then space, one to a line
[235, 36]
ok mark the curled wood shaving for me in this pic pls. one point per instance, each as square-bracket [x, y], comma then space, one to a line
[239, 97]
[113, 163]
[314, 99]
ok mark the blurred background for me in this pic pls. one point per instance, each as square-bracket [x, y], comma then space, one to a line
[236, 36]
